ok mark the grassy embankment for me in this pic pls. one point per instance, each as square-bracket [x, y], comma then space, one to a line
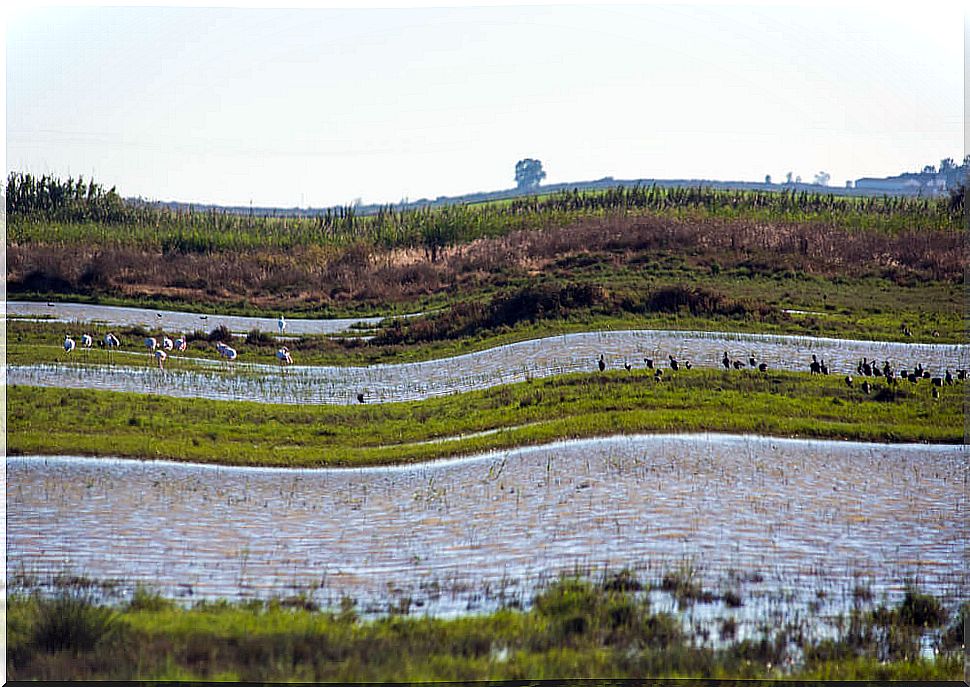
[574, 628]
[865, 309]
[780, 249]
[86, 422]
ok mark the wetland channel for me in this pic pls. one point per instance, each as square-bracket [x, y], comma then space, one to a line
[779, 520]
[506, 364]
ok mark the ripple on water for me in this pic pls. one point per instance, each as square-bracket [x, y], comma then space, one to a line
[502, 365]
[798, 513]
[173, 320]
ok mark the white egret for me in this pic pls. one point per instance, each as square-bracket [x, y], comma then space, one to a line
[283, 355]
[228, 353]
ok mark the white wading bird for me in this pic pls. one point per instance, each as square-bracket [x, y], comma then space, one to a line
[283, 355]
[228, 353]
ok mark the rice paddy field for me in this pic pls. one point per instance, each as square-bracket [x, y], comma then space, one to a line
[632, 470]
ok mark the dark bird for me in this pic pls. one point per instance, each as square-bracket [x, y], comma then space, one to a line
[628, 366]
[687, 364]
[50, 305]
[738, 364]
[763, 367]
[961, 375]
[848, 381]
[936, 333]
[815, 367]
[726, 361]
[936, 392]
[937, 381]
[674, 365]
[602, 363]
[658, 376]
[360, 397]
[912, 377]
[824, 368]
[649, 362]
[158, 314]
[866, 388]
[751, 361]
[948, 378]
[203, 317]
[866, 368]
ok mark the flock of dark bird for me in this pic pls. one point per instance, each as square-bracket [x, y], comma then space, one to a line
[866, 368]
[869, 368]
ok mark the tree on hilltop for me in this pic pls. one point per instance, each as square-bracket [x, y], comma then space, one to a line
[528, 173]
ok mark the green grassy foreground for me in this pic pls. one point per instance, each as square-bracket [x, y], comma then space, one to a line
[574, 628]
[86, 422]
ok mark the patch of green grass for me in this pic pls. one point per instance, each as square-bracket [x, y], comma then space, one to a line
[87, 422]
[574, 628]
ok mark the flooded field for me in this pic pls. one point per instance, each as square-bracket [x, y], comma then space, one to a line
[786, 523]
[176, 321]
[501, 365]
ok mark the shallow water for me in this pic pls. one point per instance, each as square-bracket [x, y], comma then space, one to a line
[457, 534]
[501, 365]
[176, 321]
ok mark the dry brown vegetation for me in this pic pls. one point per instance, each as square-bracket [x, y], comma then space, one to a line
[307, 277]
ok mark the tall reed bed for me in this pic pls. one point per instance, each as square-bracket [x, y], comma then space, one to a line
[51, 211]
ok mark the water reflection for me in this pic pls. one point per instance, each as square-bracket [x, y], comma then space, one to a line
[502, 365]
[174, 321]
[786, 515]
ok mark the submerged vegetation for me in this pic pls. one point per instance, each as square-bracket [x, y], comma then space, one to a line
[573, 628]
[887, 269]
[54, 421]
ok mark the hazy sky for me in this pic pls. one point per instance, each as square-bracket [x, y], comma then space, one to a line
[315, 107]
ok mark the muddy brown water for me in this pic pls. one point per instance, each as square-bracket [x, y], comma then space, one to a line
[776, 519]
[500, 365]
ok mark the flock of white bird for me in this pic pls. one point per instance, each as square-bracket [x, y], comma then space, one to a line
[160, 350]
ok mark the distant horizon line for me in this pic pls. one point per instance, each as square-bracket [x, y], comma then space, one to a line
[591, 184]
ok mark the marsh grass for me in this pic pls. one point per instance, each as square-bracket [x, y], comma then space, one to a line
[299, 266]
[574, 627]
[87, 422]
